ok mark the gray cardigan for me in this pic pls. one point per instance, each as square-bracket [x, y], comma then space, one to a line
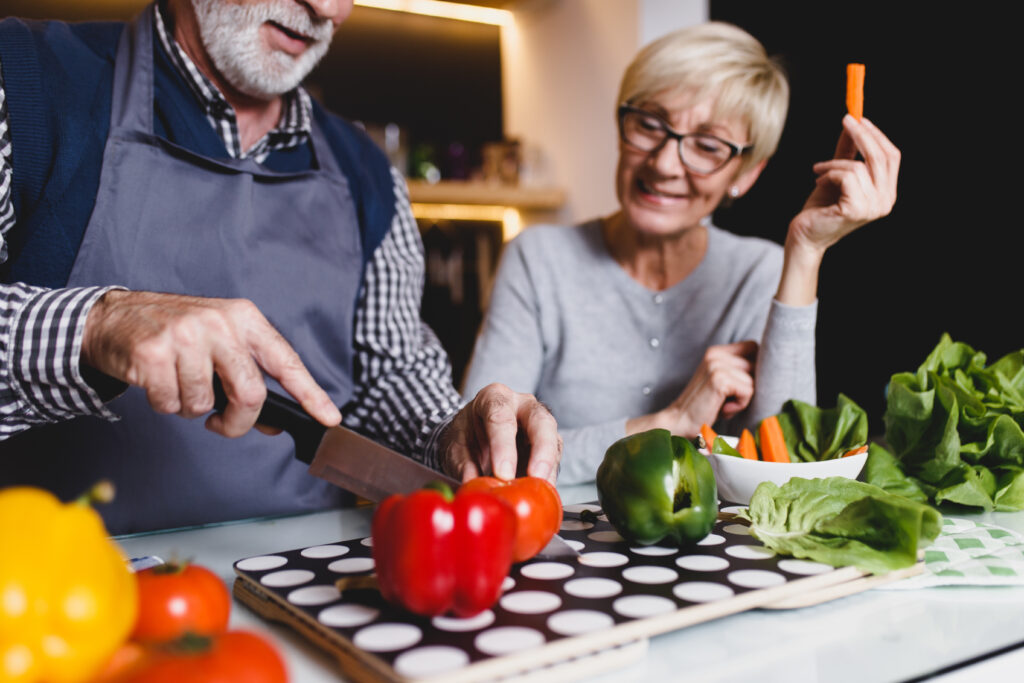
[566, 323]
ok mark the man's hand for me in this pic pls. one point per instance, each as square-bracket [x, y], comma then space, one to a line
[171, 345]
[482, 437]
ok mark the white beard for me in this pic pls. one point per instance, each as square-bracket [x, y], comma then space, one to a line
[231, 35]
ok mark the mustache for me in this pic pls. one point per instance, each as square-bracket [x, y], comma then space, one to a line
[293, 18]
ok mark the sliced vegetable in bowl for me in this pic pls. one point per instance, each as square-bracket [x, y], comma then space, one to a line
[801, 441]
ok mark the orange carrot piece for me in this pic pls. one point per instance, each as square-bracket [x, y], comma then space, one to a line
[855, 90]
[855, 451]
[747, 447]
[708, 434]
[773, 443]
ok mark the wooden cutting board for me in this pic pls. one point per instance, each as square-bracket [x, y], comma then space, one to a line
[555, 621]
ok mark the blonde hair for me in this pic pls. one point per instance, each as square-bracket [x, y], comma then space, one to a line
[722, 62]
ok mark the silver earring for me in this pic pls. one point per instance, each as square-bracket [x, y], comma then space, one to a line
[734, 192]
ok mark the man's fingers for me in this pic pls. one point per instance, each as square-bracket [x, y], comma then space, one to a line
[245, 390]
[279, 359]
[495, 409]
[542, 431]
[195, 379]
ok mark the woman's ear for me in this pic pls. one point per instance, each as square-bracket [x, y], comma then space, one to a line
[746, 180]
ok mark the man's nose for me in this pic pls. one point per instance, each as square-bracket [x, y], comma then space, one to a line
[335, 10]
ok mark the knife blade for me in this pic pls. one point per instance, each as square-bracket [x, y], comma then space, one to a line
[341, 456]
[354, 462]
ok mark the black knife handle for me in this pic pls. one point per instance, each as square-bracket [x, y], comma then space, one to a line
[280, 412]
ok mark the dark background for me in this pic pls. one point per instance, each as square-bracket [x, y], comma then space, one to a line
[943, 87]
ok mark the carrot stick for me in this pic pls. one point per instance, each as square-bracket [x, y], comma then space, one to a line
[855, 90]
[773, 443]
[747, 447]
[855, 451]
[708, 434]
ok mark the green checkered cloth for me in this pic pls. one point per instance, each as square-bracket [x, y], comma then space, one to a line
[969, 553]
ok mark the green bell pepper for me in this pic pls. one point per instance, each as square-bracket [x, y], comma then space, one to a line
[654, 485]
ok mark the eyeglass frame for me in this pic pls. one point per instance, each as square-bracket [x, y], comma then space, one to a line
[735, 150]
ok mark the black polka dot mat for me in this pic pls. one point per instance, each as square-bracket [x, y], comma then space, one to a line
[613, 594]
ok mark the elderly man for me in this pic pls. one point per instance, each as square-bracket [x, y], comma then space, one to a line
[173, 205]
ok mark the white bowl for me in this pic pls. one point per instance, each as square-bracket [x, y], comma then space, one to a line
[738, 477]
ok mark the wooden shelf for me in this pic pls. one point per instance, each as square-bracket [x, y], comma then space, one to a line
[469, 192]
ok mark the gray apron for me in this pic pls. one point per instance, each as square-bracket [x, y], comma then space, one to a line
[169, 220]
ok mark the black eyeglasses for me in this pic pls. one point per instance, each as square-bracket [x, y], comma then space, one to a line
[702, 153]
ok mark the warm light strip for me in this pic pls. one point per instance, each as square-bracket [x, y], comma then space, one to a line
[447, 10]
[511, 222]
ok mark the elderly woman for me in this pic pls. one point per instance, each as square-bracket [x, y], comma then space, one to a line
[653, 316]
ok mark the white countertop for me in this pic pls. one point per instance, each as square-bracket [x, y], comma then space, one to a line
[878, 635]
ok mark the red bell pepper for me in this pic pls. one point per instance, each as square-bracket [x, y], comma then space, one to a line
[538, 510]
[437, 553]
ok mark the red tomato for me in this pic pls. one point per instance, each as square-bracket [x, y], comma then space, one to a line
[538, 510]
[176, 599]
[231, 657]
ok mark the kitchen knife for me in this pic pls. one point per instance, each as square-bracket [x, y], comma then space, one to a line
[341, 456]
[353, 462]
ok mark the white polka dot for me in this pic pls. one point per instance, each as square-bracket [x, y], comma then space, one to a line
[319, 551]
[702, 591]
[261, 563]
[750, 552]
[600, 559]
[506, 639]
[430, 661]
[654, 550]
[804, 567]
[756, 578]
[575, 545]
[508, 584]
[573, 622]
[530, 602]
[640, 606]
[387, 637]
[345, 616]
[474, 623]
[287, 577]
[733, 509]
[368, 542]
[575, 525]
[702, 563]
[606, 537]
[593, 587]
[351, 565]
[712, 539]
[581, 507]
[547, 570]
[649, 575]
[314, 595]
[738, 529]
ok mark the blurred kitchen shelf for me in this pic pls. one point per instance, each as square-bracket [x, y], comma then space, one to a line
[493, 194]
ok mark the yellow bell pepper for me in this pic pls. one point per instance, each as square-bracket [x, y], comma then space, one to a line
[67, 597]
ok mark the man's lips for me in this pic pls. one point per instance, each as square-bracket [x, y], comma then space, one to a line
[656, 193]
[285, 39]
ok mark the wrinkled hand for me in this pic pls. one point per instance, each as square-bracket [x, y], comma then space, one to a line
[171, 345]
[482, 438]
[848, 192]
[721, 387]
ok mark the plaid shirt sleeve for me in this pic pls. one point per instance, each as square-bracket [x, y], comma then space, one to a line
[404, 391]
[40, 335]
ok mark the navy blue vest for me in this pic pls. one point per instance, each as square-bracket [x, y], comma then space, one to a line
[58, 77]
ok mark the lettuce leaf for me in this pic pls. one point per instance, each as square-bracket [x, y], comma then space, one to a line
[954, 427]
[840, 521]
[814, 433]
